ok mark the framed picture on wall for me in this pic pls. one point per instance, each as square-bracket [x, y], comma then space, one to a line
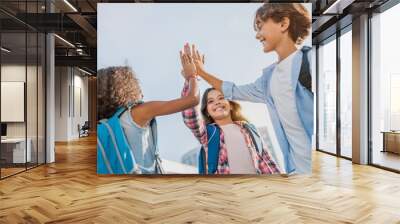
[204, 88]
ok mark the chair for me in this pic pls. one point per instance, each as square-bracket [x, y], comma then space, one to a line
[84, 130]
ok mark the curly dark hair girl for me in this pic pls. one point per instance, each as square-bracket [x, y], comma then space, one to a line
[117, 86]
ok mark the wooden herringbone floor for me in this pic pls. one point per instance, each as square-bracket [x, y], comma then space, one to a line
[69, 191]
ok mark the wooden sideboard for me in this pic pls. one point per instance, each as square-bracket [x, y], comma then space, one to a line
[391, 141]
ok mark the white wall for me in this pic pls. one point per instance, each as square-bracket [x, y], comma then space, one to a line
[61, 104]
[79, 117]
[67, 115]
[13, 73]
[33, 126]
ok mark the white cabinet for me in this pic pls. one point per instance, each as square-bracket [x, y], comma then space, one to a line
[17, 146]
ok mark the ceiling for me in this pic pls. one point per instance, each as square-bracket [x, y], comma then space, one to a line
[76, 22]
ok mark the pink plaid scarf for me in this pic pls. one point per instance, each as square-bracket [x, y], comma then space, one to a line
[263, 163]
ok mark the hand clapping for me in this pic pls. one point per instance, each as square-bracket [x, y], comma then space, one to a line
[188, 65]
[192, 62]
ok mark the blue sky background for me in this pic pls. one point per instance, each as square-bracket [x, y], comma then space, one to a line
[148, 38]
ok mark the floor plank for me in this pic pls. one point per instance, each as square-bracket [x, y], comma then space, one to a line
[70, 191]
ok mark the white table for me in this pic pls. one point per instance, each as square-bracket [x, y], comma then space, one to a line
[18, 149]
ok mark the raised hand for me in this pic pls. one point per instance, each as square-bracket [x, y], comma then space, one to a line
[188, 66]
[198, 59]
[186, 50]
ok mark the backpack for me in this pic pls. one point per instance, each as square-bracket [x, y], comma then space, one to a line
[213, 136]
[305, 72]
[114, 154]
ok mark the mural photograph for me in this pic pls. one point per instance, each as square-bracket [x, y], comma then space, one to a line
[204, 88]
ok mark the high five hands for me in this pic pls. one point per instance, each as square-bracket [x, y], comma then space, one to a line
[191, 60]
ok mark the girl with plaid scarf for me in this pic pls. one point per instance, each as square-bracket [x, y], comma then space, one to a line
[237, 153]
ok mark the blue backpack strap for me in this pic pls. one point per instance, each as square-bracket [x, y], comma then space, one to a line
[119, 112]
[257, 140]
[255, 136]
[158, 166]
[213, 136]
[305, 78]
[202, 161]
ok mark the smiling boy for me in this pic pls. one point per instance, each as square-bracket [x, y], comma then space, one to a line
[285, 86]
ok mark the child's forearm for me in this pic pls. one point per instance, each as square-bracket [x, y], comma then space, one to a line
[211, 79]
[196, 125]
[192, 119]
[191, 95]
[193, 88]
[188, 102]
[192, 98]
[151, 109]
[147, 111]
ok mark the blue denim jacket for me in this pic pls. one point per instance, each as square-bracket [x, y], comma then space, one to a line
[259, 92]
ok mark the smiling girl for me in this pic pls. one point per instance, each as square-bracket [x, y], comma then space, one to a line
[230, 144]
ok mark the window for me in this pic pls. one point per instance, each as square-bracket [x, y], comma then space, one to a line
[327, 96]
[385, 89]
[346, 94]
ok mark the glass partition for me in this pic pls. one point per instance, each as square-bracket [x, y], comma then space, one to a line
[327, 96]
[13, 94]
[22, 88]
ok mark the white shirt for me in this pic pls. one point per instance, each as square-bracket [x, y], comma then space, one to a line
[239, 157]
[285, 101]
[141, 142]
